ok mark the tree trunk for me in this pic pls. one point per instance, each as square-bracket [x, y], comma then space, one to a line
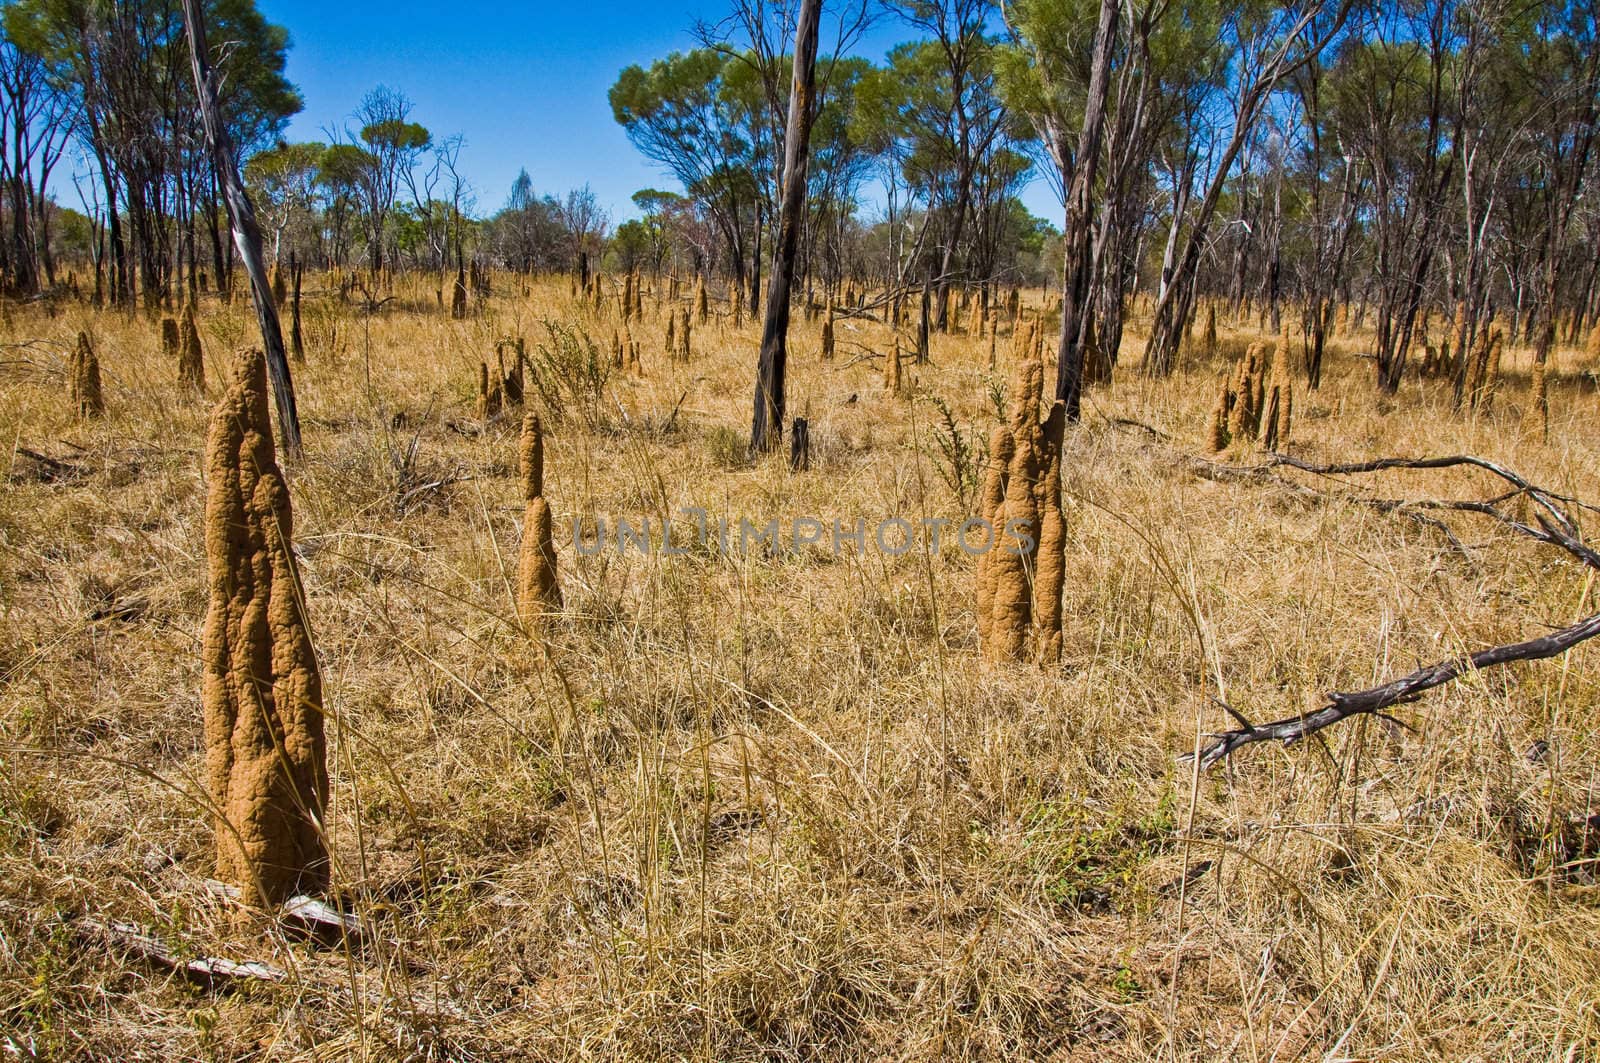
[766, 427]
[1078, 265]
[246, 233]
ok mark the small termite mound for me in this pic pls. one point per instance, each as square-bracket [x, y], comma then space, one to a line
[827, 335]
[191, 359]
[892, 382]
[1208, 338]
[1217, 433]
[261, 691]
[171, 343]
[1536, 418]
[1483, 368]
[629, 351]
[538, 593]
[490, 395]
[511, 381]
[684, 350]
[83, 381]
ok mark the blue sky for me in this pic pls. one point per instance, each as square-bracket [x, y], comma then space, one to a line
[524, 84]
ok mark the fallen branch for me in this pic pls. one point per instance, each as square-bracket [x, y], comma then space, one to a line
[1555, 528]
[1343, 705]
[148, 947]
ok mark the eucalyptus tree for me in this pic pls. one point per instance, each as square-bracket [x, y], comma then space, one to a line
[124, 69]
[953, 113]
[1260, 46]
[394, 144]
[692, 114]
[1055, 101]
[283, 182]
[33, 135]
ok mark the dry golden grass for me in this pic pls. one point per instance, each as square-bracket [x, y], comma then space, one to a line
[775, 807]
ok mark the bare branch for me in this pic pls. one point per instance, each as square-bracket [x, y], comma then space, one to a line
[1555, 528]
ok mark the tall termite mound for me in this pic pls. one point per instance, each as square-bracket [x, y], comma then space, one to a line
[191, 360]
[538, 593]
[260, 691]
[827, 335]
[1022, 573]
[701, 311]
[1278, 398]
[1483, 368]
[83, 380]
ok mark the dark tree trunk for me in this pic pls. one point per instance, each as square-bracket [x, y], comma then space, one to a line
[766, 426]
[1078, 265]
[242, 216]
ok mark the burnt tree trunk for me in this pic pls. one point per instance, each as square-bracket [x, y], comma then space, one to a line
[1078, 264]
[246, 233]
[766, 426]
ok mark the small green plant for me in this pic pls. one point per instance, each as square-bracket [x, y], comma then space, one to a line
[570, 374]
[997, 398]
[959, 467]
[1088, 857]
[729, 448]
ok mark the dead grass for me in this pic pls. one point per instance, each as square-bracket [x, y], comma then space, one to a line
[773, 806]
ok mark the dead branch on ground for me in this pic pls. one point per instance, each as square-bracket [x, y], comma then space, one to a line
[1551, 524]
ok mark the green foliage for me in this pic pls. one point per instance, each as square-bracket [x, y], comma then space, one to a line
[962, 454]
[569, 372]
[1089, 857]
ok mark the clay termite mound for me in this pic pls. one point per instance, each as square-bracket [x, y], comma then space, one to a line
[827, 335]
[1217, 435]
[511, 381]
[701, 310]
[891, 369]
[261, 691]
[83, 380]
[191, 360]
[490, 395]
[538, 593]
[1483, 370]
[1536, 418]
[171, 343]
[1021, 575]
[629, 350]
[684, 351]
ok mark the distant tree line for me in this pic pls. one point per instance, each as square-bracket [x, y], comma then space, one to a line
[1425, 162]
